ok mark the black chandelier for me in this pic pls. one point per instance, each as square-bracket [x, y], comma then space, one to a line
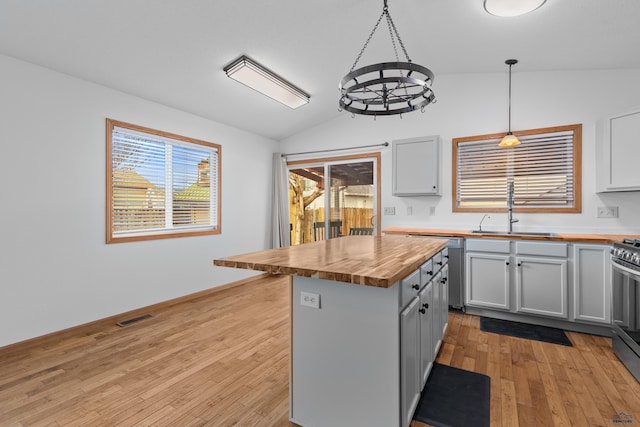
[386, 88]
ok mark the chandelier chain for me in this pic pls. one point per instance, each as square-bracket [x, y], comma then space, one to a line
[392, 25]
[366, 43]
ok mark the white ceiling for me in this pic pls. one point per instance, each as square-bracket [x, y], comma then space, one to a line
[173, 51]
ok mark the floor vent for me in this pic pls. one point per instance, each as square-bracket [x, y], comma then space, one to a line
[134, 320]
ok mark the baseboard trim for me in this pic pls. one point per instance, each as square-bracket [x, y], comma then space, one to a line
[99, 325]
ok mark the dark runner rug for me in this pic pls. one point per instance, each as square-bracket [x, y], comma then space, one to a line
[454, 397]
[524, 330]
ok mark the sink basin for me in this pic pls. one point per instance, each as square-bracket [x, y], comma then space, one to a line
[514, 233]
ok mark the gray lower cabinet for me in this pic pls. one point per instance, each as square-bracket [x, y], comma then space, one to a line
[592, 283]
[541, 286]
[555, 280]
[410, 360]
[487, 280]
[517, 276]
[444, 298]
[426, 332]
[422, 327]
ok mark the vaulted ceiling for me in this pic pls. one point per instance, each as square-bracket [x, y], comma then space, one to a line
[173, 51]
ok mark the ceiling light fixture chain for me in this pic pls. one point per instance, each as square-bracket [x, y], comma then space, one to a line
[366, 43]
[386, 88]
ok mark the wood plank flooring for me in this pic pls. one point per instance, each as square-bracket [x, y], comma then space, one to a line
[222, 360]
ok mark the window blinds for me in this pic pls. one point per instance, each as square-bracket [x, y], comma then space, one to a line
[161, 185]
[541, 169]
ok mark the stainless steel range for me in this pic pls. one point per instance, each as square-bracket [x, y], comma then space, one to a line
[625, 262]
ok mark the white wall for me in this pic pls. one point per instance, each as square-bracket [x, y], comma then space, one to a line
[55, 269]
[476, 104]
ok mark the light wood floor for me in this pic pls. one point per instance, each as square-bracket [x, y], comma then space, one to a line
[222, 360]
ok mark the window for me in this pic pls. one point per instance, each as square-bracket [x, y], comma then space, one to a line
[160, 185]
[545, 170]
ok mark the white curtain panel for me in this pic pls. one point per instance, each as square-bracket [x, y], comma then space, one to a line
[280, 206]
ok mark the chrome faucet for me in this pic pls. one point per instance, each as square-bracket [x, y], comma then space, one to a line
[510, 219]
[480, 225]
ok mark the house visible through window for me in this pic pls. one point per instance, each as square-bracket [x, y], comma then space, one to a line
[545, 170]
[160, 185]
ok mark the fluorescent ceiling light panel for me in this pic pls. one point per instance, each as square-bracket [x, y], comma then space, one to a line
[511, 7]
[265, 81]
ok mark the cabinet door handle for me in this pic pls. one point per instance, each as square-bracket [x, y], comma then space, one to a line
[507, 262]
[446, 256]
[430, 273]
[416, 287]
[439, 263]
[422, 310]
[425, 305]
[519, 264]
[443, 280]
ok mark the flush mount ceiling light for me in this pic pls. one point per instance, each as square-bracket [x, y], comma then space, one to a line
[259, 78]
[386, 88]
[510, 140]
[511, 7]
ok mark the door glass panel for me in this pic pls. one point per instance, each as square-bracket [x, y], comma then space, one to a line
[347, 205]
[351, 198]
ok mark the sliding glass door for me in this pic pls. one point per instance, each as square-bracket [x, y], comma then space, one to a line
[334, 197]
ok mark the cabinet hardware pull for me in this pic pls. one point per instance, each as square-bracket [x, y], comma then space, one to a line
[416, 287]
[519, 264]
[425, 305]
[430, 273]
[507, 262]
[422, 310]
[446, 256]
[443, 280]
[439, 263]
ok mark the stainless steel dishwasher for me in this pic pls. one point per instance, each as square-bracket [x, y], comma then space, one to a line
[456, 270]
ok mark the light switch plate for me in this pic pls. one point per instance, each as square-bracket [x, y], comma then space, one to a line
[389, 210]
[310, 300]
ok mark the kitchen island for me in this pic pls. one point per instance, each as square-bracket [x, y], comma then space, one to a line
[367, 318]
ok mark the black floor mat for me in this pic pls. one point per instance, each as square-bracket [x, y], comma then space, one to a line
[454, 397]
[524, 330]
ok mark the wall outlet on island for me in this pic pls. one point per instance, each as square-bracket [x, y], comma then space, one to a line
[310, 300]
[607, 212]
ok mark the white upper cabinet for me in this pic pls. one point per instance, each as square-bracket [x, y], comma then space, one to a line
[416, 166]
[618, 139]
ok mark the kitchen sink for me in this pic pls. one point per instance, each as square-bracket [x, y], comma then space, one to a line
[514, 233]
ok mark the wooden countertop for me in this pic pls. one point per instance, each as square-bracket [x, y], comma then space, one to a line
[560, 237]
[378, 261]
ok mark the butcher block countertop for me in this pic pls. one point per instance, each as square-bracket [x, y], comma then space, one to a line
[560, 237]
[378, 261]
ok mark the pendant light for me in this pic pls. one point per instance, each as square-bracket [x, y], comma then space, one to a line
[510, 140]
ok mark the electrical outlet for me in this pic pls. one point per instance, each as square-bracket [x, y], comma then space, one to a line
[310, 300]
[607, 212]
[389, 210]
[409, 210]
[432, 210]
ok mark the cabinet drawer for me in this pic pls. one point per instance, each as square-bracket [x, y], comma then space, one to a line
[437, 262]
[409, 287]
[542, 249]
[488, 245]
[426, 272]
